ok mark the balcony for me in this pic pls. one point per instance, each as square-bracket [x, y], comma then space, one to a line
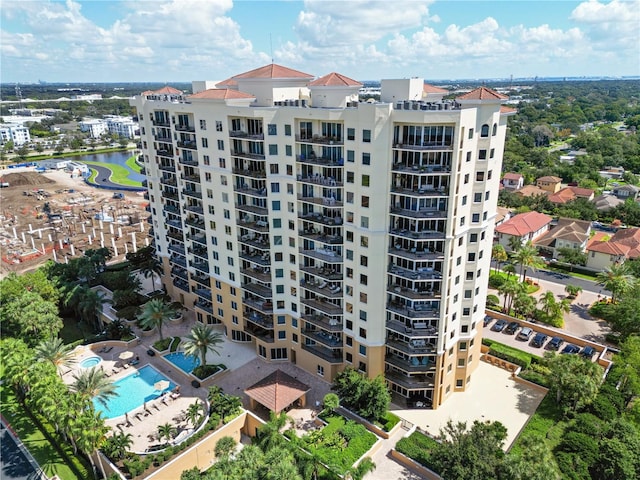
[320, 336]
[255, 241]
[323, 288]
[259, 290]
[322, 161]
[190, 162]
[415, 365]
[262, 320]
[410, 382]
[422, 213]
[191, 178]
[180, 272]
[188, 144]
[322, 238]
[259, 304]
[413, 294]
[415, 347]
[200, 252]
[167, 168]
[195, 222]
[326, 273]
[322, 321]
[422, 191]
[204, 305]
[253, 209]
[331, 356]
[415, 254]
[421, 169]
[321, 305]
[318, 179]
[321, 201]
[172, 182]
[422, 146]
[160, 122]
[175, 223]
[417, 312]
[258, 273]
[176, 235]
[201, 239]
[204, 293]
[325, 255]
[201, 279]
[415, 329]
[255, 257]
[192, 193]
[178, 260]
[169, 208]
[170, 195]
[250, 173]
[244, 134]
[260, 333]
[177, 247]
[251, 156]
[259, 226]
[165, 152]
[181, 284]
[320, 140]
[186, 128]
[317, 217]
[418, 274]
[202, 266]
[195, 209]
[254, 192]
[418, 235]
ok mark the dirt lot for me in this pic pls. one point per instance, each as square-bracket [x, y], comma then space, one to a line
[51, 215]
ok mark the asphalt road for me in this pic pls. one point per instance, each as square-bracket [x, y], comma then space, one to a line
[565, 279]
[13, 463]
[104, 174]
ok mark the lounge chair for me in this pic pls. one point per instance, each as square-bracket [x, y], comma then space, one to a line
[174, 395]
[107, 349]
[115, 370]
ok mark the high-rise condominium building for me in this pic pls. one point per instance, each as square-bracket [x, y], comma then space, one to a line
[326, 231]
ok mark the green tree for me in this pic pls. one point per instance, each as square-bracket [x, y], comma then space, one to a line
[361, 470]
[616, 279]
[370, 398]
[534, 462]
[90, 307]
[166, 431]
[473, 454]
[574, 381]
[155, 313]
[499, 255]
[331, 401]
[628, 367]
[202, 339]
[194, 413]
[524, 304]
[54, 350]
[31, 318]
[572, 290]
[269, 435]
[225, 447]
[527, 257]
[93, 383]
[151, 268]
[573, 256]
[117, 445]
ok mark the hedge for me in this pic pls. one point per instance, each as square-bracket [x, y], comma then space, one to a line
[417, 446]
[510, 354]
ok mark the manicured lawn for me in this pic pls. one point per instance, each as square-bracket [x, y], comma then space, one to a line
[133, 165]
[530, 288]
[119, 174]
[48, 457]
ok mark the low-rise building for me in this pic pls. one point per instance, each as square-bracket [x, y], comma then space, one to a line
[94, 127]
[567, 233]
[568, 194]
[603, 250]
[124, 127]
[525, 226]
[16, 133]
[549, 183]
[513, 181]
[626, 191]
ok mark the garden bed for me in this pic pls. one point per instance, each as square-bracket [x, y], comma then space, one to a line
[205, 371]
[417, 447]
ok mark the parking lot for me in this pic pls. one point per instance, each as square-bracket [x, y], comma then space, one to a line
[515, 340]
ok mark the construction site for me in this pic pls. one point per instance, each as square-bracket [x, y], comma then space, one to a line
[51, 215]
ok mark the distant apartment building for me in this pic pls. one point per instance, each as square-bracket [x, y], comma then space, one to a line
[16, 133]
[328, 232]
[94, 127]
[124, 127]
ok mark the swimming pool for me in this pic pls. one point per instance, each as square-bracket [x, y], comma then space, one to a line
[90, 362]
[132, 391]
[184, 362]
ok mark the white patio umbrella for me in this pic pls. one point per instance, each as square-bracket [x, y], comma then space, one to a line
[161, 385]
[127, 354]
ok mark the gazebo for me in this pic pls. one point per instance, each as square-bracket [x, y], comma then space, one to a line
[277, 391]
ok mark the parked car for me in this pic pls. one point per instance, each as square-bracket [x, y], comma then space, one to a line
[487, 320]
[555, 343]
[525, 334]
[538, 340]
[499, 325]
[587, 352]
[570, 348]
[512, 328]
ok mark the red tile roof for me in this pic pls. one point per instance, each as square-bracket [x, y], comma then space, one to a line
[335, 79]
[625, 242]
[277, 391]
[549, 178]
[482, 93]
[274, 71]
[531, 191]
[433, 89]
[221, 94]
[568, 194]
[168, 91]
[512, 176]
[229, 82]
[524, 224]
[506, 110]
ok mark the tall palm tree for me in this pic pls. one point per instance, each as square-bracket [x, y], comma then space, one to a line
[55, 351]
[515, 244]
[194, 413]
[117, 446]
[92, 436]
[358, 473]
[202, 339]
[166, 431]
[524, 304]
[509, 289]
[155, 313]
[94, 383]
[151, 268]
[499, 255]
[527, 257]
[548, 302]
[617, 279]
[90, 307]
[268, 436]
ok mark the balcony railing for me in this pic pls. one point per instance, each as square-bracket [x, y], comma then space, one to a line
[323, 306]
[317, 139]
[417, 235]
[327, 256]
[192, 193]
[325, 338]
[411, 348]
[416, 312]
[260, 333]
[324, 161]
[188, 144]
[415, 329]
[185, 128]
[252, 156]
[181, 284]
[250, 173]
[326, 273]
[410, 382]
[418, 274]
[259, 290]
[262, 320]
[204, 305]
[324, 322]
[422, 213]
[243, 134]
[420, 169]
[415, 365]
[327, 354]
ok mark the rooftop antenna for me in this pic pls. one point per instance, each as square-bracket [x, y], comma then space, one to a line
[271, 46]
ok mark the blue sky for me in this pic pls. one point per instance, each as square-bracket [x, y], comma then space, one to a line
[183, 40]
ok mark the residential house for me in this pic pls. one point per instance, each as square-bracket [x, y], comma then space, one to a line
[568, 232]
[612, 173]
[626, 191]
[549, 183]
[525, 226]
[606, 202]
[513, 181]
[604, 251]
[568, 194]
[502, 215]
[531, 191]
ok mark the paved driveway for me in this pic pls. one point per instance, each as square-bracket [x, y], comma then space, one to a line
[14, 464]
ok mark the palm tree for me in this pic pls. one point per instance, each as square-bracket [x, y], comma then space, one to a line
[94, 383]
[117, 446]
[151, 268]
[90, 307]
[359, 472]
[515, 243]
[53, 350]
[224, 447]
[524, 304]
[499, 255]
[92, 436]
[509, 289]
[166, 431]
[202, 339]
[268, 435]
[527, 257]
[616, 279]
[194, 413]
[572, 290]
[548, 302]
[155, 313]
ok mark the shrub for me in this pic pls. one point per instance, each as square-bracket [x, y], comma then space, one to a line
[128, 313]
[204, 371]
[417, 446]
[510, 354]
[162, 345]
[496, 281]
[535, 377]
[391, 420]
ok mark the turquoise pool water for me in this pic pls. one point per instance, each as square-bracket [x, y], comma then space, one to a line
[184, 362]
[132, 391]
[90, 362]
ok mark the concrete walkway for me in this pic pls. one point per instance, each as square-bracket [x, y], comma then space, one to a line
[388, 468]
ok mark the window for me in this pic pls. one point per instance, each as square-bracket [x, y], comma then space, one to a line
[218, 126]
[462, 221]
[366, 159]
[492, 153]
[464, 200]
[203, 124]
[288, 151]
[363, 279]
[365, 180]
[484, 132]
[349, 254]
[466, 178]
[206, 160]
[469, 276]
[351, 133]
[277, 223]
[477, 197]
[468, 156]
[350, 177]
[287, 130]
[351, 156]
[461, 362]
[275, 187]
[363, 350]
[349, 197]
[471, 257]
[473, 238]
[273, 168]
[205, 142]
[482, 154]
[280, 289]
[479, 176]
[459, 383]
[475, 218]
[272, 129]
[363, 332]
[487, 194]
[222, 162]
[495, 130]
[366, 136]
[273, 149]
[489, 174]
[468, 294]
[275, 205]
[470, 133]
[320, 370]
[364, 260]
[220, 144]
[364, 241]
[364, 222]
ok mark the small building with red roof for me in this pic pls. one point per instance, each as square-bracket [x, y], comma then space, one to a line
[568, 194]
[525, 227]
[604, 250]
[549, 183]
[513, 181]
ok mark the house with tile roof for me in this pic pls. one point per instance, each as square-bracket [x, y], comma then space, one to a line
[568, 194]
[606, 202]
[567, 233]
[626, 191]
[549, 183]
[513, 181]
[531, 191]
[526, 227]
[604, 251]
